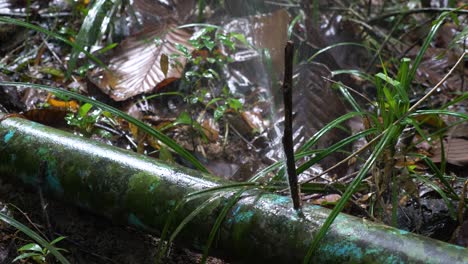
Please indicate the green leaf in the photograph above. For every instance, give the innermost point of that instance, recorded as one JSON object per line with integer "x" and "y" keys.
{"x": 11, "y": 221}
{"x": 219, "y": 220}
{"x": 58, "y": 239}
{"x": 184, "y": 119}
{"x": 31, "y": 247}
{"x": 165, "y": 154}
{"x": 311, "y": 58}
{"x": 92, "y": 28}
{"x": 29, "y": 255}
{"x": 442, "y": 194}
{"x": 214, "y": 100}
{"x": 437, "y": 24}
{"x": 240, "y": 37}
{"x": 313, "y": 140}
{"x": 388, "y": 79}
{"x": 440, "y": 112}
{"x": 208, "y": 75}
{"x": 318, "y": 156}
{"x": 219, "y": 112}
{"x": 185, "y": 51}
{"x": 211, "y": 60}
{"x": 234, "y": 104}
{"x": 209, "y": 44}
{"x": 84, "y": 109}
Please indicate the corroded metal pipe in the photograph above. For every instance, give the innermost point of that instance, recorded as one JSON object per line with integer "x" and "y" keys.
{"x": 261, "y": 227}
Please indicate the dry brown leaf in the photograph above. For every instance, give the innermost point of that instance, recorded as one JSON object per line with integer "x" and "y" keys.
{"x": 154, "y": 11}
{"x": 456, "y": 152}
{"x": 327, "y": 199}
{"x": 164, "y": 63}
{"x": 315, "y": 105}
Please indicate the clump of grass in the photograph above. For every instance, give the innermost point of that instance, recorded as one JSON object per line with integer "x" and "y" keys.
{"x": 393, "y": 113}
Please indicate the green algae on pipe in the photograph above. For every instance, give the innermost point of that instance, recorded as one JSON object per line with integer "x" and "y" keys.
{"x": 261, "y": 227}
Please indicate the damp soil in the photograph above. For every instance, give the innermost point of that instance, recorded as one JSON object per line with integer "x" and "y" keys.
{"x": 89, "y": 238}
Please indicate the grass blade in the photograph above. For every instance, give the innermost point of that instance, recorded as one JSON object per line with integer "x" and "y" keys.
{"x": 92, "y": 28}
{"x": 144, "y": 127}
{"x": 313, "y": 140}
{"x": 383, "y": 142}
{"x": 54, "y": 35}
{"x": 437, "y": 24}
{"x": 321, "y": 155}
{"x": 219, "y": 220}
{"x": 311, "y": 58}
{"x": 11, "y": 221}
{"x": 441, "y": 192}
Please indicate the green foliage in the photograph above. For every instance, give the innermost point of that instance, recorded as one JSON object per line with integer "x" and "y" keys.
{"x": 32, "y": 250}
{"x": 94, "y": 26}
{"x": 53, "y": 35}
{"x": 85, "y": 119}
{"x": 392, "y": 114}
{"x": 37, "y": 253}
{"x": 202, "y": 77}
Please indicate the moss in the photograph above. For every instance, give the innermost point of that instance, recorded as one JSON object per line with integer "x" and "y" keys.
{"x": 141, "y": 198}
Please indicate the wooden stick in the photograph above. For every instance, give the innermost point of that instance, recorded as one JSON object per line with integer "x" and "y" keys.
{"x": 288, "y": 133}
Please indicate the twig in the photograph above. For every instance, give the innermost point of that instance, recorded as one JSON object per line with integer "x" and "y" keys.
{"x": 36, "y": 226}
{"x": 463, "y": 89}
{"x": 288, "y": 133}
{"x": 42, "y": 15}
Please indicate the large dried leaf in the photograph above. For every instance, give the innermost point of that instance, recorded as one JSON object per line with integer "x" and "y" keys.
{"x": 315, "y": 105}
{"x": 455, "y": 146}
{"x": 161, "y": 10}
{"x": 434, "y": 67}
{"x": 135, "y": 67}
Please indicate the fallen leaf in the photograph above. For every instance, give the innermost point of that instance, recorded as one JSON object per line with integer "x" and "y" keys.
{"x": 456, "y": 152}
{"x": 135, "y": 67}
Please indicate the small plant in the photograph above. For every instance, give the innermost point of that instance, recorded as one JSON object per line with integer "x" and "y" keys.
{"x": 85, "y": 119}
{"x": 40, "y": 248}
{"x": 36, "y": 253}
{"x": 201, "y": 79}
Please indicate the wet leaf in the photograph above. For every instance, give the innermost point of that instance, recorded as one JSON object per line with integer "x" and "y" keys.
{"x": 31, "y": 247}
{"x": 164, "y": 63}
{"x": 455, "y": 152}
{"x": 153, "y": 12}
{"x": 66, "y": 105}
{"x": 48, "y": 116}
{"x": 329, "y": 199}
{"x": 210, "y": 128}
{"x": 94, "y": 25}
{"x": 316, "y": 105}
{"x": 136, "y": 66}
{"x": 165, "y": 154}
